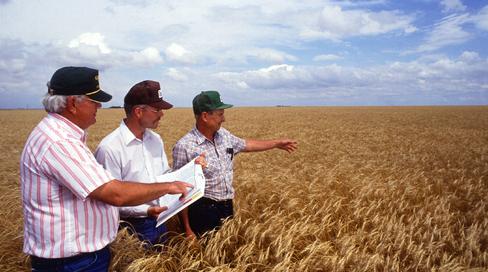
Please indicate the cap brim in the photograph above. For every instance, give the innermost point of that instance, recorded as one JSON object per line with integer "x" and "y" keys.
{"x": 162, "y": 105}
{"x": 100, "y": 96}
{"x": 224, "y": 106}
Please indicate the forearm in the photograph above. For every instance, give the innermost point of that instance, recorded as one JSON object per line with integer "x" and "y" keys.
{"x": 259, "y": 145}
{"x": 118, "y": 193}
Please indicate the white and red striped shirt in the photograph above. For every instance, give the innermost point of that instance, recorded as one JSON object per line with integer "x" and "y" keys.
{"x": 57, "y": 173}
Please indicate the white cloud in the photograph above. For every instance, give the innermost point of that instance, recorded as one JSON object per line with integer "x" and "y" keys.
{"x": 469, "y": 56}
{"x": 245, "y": 55}
{"x": 327, "y": 57}
{"x": 14, "y": 65}
{"x": 250, "y": 47}
{"x": 440, "y": 76}
{"x": 270, "y": 55}
{"x": 191, "y": 33}
{"x": 452, "y": 6}
{"x": 242, "y": 85}
{"x": 276, "y": 68}
{"x": 90, "y": 40}
{"x": 335, "y": 23}
{"x": 147, "y": 57}
{"x": 92, "y": 48}
{"x": 177, "y": 53}
{"x": 447, "y": 32}
{"x": 175, "y": 74}
{"x": 481, "y": 19}
{"x": 272, "y": 77}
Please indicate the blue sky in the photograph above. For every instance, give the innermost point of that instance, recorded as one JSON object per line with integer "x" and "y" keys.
{"x": 256, "y": 53}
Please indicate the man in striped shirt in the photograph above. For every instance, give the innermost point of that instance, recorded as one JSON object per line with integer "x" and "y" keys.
{"x": 219, "y": 146}
{"x": 68, "y": 198}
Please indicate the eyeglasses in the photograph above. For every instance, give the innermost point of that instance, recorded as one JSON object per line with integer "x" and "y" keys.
{"x": 150, "y": 109}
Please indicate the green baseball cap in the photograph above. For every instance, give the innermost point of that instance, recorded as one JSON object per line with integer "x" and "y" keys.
{"x": 208, "y": 101}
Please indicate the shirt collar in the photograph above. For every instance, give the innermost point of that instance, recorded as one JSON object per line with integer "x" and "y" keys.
{"x": 69, "y": 126}
{"x": 127, "y": 135}
{"x": 201, "y": 138}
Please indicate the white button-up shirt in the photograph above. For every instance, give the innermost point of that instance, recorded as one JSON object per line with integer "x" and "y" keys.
{"x": 128, "y": 158}
{"x": 57, "y": 173}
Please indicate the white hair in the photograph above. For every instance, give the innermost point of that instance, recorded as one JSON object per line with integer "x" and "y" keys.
{"x": 56, "y": 103}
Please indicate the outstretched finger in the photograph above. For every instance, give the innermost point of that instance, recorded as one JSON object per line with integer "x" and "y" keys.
{"x": 292, "y": 147}
{"x": 185, "y": 187}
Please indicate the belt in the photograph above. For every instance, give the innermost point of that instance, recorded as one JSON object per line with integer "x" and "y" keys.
{"x": 59, "y": 261}
{"x": 206, "y": 200}
{"x": 138, "y": 219}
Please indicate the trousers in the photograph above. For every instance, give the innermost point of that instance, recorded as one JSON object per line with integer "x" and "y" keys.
{"x": 97, "y": 261}
{"x": 207, "y": 214}
{"x": 145, "y": 229}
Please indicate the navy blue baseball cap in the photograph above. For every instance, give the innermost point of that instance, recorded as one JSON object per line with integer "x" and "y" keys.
{"x": 78, "y": 81}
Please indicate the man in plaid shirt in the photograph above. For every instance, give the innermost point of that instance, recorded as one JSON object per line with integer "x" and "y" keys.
{"x": 219, "y": 146}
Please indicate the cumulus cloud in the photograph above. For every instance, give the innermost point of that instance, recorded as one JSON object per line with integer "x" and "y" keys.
{"x": 327, "y": 57}
{"x": 91, "y": 48}
{"x": 24, "y": 70}
{"x": 177, "y": 53}
{"x": 90, "y": 40}
{"x": 147, "y": 57}
{"x": 25, "y": 67}
{"x": 440, "y": 76}
{"x": 176, "y": 74}
{"x": 270, "y": 55}
{"x": 250, "y": 47}
{"x": 469, "y": 56}
{"x": 452, "y": 6}
{"x": 335, "y": 23}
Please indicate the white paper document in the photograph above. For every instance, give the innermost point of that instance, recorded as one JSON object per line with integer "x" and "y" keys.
{"x": 191, "y": 173}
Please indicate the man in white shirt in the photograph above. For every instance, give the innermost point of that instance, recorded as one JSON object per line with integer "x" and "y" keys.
{"x": 134, "y": 152}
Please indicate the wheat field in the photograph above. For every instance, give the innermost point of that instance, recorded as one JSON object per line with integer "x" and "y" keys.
{"x": 369, "y": 189}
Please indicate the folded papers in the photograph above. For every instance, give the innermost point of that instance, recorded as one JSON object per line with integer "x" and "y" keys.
{"x": 191, "y": 173}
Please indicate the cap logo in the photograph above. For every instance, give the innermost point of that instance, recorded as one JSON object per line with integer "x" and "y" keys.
{"x": 160, "y": 94}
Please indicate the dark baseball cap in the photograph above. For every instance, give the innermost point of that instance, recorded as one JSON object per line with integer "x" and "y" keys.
{"x": 147, "y": 92}
{"x": 208, "y": 101}
{"x": 77, "y": 81}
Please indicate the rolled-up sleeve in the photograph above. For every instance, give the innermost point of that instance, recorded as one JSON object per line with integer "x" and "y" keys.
{"x": 74, "y": 166}
{"x": 238, "y": 144}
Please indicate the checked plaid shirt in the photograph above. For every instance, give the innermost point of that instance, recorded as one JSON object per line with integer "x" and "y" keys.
{"x": 219, "y": 155}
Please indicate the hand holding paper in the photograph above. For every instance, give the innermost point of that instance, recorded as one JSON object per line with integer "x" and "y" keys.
{"x": 154, "y": 211}
{"x": 201, "y": 160}
{"x": 192, "y": 178}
